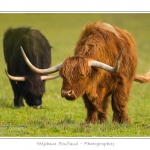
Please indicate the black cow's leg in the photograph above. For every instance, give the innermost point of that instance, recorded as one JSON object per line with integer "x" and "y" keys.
{"x": 18, "y": 99}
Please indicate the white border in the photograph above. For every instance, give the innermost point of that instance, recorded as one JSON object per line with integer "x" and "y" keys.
{"x": 75, "y": 143}
{"x": 75, "y": 6}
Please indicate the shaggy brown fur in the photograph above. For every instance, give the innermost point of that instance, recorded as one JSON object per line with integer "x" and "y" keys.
{"x": 143, "y": 78}
{"x": 102, "y": 42}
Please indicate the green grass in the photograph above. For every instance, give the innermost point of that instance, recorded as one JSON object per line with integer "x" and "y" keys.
{"x": 62, "y": 118}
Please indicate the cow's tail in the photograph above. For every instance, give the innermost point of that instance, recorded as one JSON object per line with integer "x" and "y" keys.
{"x": 143, "y": 78}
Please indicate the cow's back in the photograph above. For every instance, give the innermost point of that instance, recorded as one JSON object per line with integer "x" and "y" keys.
{"x": 34, "y": 44}
{"x": 12, "y": 36}
{"x": 103, "y": 42}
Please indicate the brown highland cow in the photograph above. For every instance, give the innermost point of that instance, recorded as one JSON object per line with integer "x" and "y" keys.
{"x": 89, "y": 73}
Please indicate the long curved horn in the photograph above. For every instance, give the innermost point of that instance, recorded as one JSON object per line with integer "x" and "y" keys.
{"x": 49, "y": 77}
{"x": 37, "y": 70}
{"x": 106, "y": 67}
{"x": 15, "y": 78}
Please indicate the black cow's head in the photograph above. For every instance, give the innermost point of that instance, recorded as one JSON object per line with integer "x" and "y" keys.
{"x": 31, "y": 87}
{"x": 32, "y": 90}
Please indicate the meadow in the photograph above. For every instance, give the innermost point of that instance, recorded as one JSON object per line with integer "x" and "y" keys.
{"x": 59, "y": 117}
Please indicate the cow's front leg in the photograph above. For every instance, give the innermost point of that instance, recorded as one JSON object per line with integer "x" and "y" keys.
{"x": 91, "y": 110}
{"x": 96, "y": 109}
{"x": 119, "y": 106}
{"x": 102, "y": 115}
{"x": 18, "y": 99}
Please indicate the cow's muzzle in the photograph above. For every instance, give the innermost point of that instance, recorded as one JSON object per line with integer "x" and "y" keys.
{"x": 37, "y": 107}
{"x": 68, "y": 94}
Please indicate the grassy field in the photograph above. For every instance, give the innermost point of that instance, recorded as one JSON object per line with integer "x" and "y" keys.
{"x": 62, "y": 118}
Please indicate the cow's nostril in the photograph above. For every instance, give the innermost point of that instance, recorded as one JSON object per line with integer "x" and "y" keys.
{"x": 69, "y": 92}
{"x": 66, "y": 93}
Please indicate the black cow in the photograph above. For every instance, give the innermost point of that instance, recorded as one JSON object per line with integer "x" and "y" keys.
{"x": 25, "y": 83}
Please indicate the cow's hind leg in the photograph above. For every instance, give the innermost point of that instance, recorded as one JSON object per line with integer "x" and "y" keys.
{"x": 119, "y": 105}
{"x": 18, "y": 99}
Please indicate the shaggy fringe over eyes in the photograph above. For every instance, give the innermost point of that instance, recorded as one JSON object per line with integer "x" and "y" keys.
{"x": 78, "y": 68}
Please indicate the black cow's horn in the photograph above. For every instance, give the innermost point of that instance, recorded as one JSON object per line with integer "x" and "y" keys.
{"x": 106, "y": 67}
{"x": 49, "y": 77}
{"x": 14, "y": 78}
{"x": 37, "y": 70}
